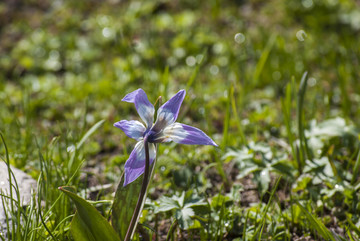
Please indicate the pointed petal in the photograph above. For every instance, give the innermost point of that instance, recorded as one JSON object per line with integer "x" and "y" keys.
{"x": 142, "y": 104}
{"x": 133, "y": 129}
{"x": 168, "y": 112}
{"x": 184, "y": 134}
{"x": 135, "y": 165}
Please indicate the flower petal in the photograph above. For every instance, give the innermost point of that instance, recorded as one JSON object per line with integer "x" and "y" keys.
{"x": 135, "y": 165}
{"x": 184, "y": 134}
{"x": 133, "y": 129}
{"x": 142, "y": 104}
{"x": 168, "y": 112}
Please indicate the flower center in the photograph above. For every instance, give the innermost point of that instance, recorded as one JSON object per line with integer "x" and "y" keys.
{"x": 149, "y": 133}
{"x": 153, "y": 136}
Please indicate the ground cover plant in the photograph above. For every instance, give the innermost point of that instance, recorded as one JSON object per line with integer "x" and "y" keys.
{"x": 274, "y": 83}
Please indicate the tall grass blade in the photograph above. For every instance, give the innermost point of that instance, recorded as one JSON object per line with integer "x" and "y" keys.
{"x": 263, "y": 58}
{"x": 235, "y": 114}
{"x": 165, "y": 82}
{"x": 353, "y": 226}
{"x": 286, "y": 104}
{"x": 345, "y": 101}
{"x": 226, "y": 121}
{"x": 15, "y": 203}
{"x": 356, "y": 168}
{"x": 316, "y": 224}
{"x": 72, "y": 163}
{"x": 304, "y": 150}
{"x": 260, "y": 228}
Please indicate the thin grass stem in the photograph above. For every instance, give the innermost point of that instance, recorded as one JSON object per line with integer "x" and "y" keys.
{"x": 171, "y": 230}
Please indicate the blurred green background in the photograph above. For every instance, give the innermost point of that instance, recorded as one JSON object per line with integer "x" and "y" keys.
{"x": 65, "y": 65}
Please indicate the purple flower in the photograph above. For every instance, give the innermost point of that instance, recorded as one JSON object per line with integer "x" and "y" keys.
{"x": 165, "y": 129}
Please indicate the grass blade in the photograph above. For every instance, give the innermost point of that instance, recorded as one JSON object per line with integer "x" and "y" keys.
{"x": 316, "y": 224}
{"x": 304, "y": 150}
{"x": 263, "y": 219}
{"x": 356, "y": 168}
{"x": 81, "y": 142}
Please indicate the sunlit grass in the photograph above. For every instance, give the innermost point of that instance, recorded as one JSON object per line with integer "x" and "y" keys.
{"x": 65, "y": 67}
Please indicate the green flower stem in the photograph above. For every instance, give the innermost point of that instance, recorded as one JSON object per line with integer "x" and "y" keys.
{"x": 172, "y": 229}
{"x": 142, "y": 194}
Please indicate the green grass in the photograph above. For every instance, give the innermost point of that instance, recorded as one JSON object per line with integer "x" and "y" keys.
{"x": 65, "y": 66}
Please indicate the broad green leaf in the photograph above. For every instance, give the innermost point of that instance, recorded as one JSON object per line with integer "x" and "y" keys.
{"x": 125, "y": 203}
{"x": 192, "y": 200}
{"x": 239, "y": 155}
{"x": 330, "y": 128}
{"x": 166, "y": 204}
{"x": 247, "y": 170}
{"x": 260, "y": 147}
{"x": 180, "y": 200}
{"x": 184, "y": 217}
{"x": 186, "y": 207}
{"x": 88, "y": 223}
{"x": 80, "y": 231}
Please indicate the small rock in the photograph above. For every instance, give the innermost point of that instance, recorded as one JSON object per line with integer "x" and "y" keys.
{"x": 25, "y": 183}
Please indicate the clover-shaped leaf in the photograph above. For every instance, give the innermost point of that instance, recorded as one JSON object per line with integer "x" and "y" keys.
{"x": 185, "y": 208}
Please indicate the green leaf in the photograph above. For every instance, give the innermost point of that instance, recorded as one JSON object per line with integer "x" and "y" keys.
{"x": 88, "y": 224}
{"x": 219, "y": 200}
{"x": 302, "y": 182}
{"x": 185, "y": 206}
{"x": 283, "y": 167}
{"x": 331, "y": 127}
{"x": 125, "y": 203}
{"x": 166, "y": 204}
{"x": 263, "y": 180}
{"x": 183, "y": 177}
{"x": 247, "y": 170}
{"x": 180, "y": 200}
{"x": 184, "y": 217}
{"x": 80, "y": 231}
